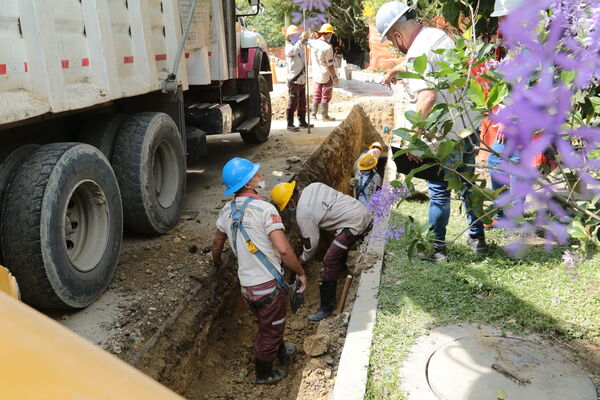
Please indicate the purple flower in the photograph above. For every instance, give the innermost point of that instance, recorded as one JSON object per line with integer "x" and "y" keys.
{"x": 542, "y": 45}
{"x": 380, "y": 205}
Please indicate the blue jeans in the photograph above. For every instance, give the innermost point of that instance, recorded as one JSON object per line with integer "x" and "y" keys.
{"x": 495, "y": 161}
{"x": 439, "y": 198}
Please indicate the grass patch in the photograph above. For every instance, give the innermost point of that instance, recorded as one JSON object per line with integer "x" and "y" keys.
{"x": 532, "y": 293}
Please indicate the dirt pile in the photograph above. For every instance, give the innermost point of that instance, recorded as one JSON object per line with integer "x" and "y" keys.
{"x": 332, "y": 162}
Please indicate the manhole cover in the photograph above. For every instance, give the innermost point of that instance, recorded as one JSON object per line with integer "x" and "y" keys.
{"x": 482, "y": 367}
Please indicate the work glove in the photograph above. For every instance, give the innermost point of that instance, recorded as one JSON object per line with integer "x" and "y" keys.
{"x": 353, "y": 182}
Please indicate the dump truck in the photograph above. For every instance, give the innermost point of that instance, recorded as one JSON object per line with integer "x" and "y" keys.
{"x": 101, "y": 102}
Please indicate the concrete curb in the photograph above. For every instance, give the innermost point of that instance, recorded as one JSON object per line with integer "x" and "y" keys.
{"x": 351, "y": 379}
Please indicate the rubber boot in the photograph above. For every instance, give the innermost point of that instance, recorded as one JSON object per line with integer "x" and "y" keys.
{"x": 265, "y": 374}
{"x": 327, "y": 290}
{"x": 325, "y": 113}
{"x": 314, "y": 110}
{"x": 285, "y": 353}
{"x": 302, "y": 121}
{"x": 290, "y": 122}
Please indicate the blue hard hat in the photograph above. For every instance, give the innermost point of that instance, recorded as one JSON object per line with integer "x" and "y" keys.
{"x": 236, "y": 173}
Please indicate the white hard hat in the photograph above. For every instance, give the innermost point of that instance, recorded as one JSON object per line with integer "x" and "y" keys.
{"x": 505, "y": 7}
{"x": 388, "y": 14}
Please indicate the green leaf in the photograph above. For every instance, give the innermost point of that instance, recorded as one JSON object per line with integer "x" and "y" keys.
{"x": 412, "y": 249}
{"x": 567, "y": 76}
{"x": 396, "y": 183}
{"x": 457, "y": 84}
{"x": 476, "y": 93}
{"x": 465, "y": 133}
{"x": 497, "y": 95}
{"x": 577, "y": 230}
{"x": 501, "y": 394}
{"x": 420, "y": 64}
{"x": 445, "y": 149}
{"x": 412, "y": 173}
{"x": 409, "y": 75}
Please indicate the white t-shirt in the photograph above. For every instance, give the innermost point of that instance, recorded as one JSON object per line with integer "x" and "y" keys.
{"x": 428, "y": 40}
{"x": 321, "y": 207}
{"x": 321, "y": 57}
{"x": 260, "y": 219}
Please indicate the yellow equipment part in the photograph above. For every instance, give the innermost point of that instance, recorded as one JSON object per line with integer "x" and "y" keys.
{"x": 42, "y": 360}
{"x": 8, "y": 283}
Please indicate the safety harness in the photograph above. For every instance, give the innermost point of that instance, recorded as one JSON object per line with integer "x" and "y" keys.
{"x": 362, "y": 188}
{"x": 237, "y": 216}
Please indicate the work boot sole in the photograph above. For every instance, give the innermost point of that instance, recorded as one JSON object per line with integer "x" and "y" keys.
{"x": 278, "y": 374}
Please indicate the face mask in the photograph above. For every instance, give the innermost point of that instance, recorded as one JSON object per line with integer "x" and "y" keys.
{"x": 401, "y": 47}
{"x": 329, "y": 39}
{"x": 292, "y": 209}
{"x": 262, "y": 184}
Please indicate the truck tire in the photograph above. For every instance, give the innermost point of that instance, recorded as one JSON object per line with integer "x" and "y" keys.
{"x": 63, "y": 225}
{"x": 101, "y": 132}
{"x": 10, "y": 160}
{"x": 149, "y": 162}
{"x": 260, "y": 98}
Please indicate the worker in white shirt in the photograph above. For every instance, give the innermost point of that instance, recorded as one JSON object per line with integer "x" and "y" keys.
{"x": 296, "y": 78}
{"x": 320, "y": 207}
{"x": 397, "y": 22}
{"x": 257, "y": 236}
{"x": 324, "y": 75}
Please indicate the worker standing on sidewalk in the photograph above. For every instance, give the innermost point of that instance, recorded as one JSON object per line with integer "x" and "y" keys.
{"x": 257, "y": 236}
{"x": 296, "y": 61}
{"x": 324, "y": 75}
{"x": 320, "y": 207}
{"x": 397, "y": 22}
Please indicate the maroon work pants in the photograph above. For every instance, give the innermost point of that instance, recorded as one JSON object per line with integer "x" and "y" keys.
{"x": 297, "y": 98}
{"x": 337, "y": 255}
{"x": 271, "y": 318}
{"x": 323, "y": 92}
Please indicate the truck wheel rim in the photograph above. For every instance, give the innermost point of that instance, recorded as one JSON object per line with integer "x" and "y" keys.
{"x": 86, "y": 225}
{"x": 165, "y": 171}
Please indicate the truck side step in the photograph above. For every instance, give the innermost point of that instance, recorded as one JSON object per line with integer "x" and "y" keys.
{"x": 200, "y": 106}
{"x": 248, "y": 124}
{"x": 236, "y": 98}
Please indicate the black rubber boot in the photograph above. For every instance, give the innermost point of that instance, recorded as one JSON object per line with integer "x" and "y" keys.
{"x": 325, "y": 113}
{"x": 285, "y": 353}
{"x": 290, "y": 122}
{"x": 265, "y": 374}
{"x": 327, "y": 290}
{"x": 314, "y": 110}
{"x": 478, "y": 244}
{"x": 302, "y": 121}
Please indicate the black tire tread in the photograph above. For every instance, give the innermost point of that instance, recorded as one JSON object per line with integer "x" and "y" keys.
{"x": 21, "y": 242}
{"x": 126, "y": 162}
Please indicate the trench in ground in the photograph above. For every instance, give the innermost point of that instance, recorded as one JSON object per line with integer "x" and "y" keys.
{"x": 206, "y": 351}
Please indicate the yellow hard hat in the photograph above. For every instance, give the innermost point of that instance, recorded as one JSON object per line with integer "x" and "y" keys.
{"x": 326, "y": 28}
{"x": 367, "y": 161}
{"x": 376, "y": 144}
{"x": 282, "y": 193}
{"x": 291, "y": 30}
